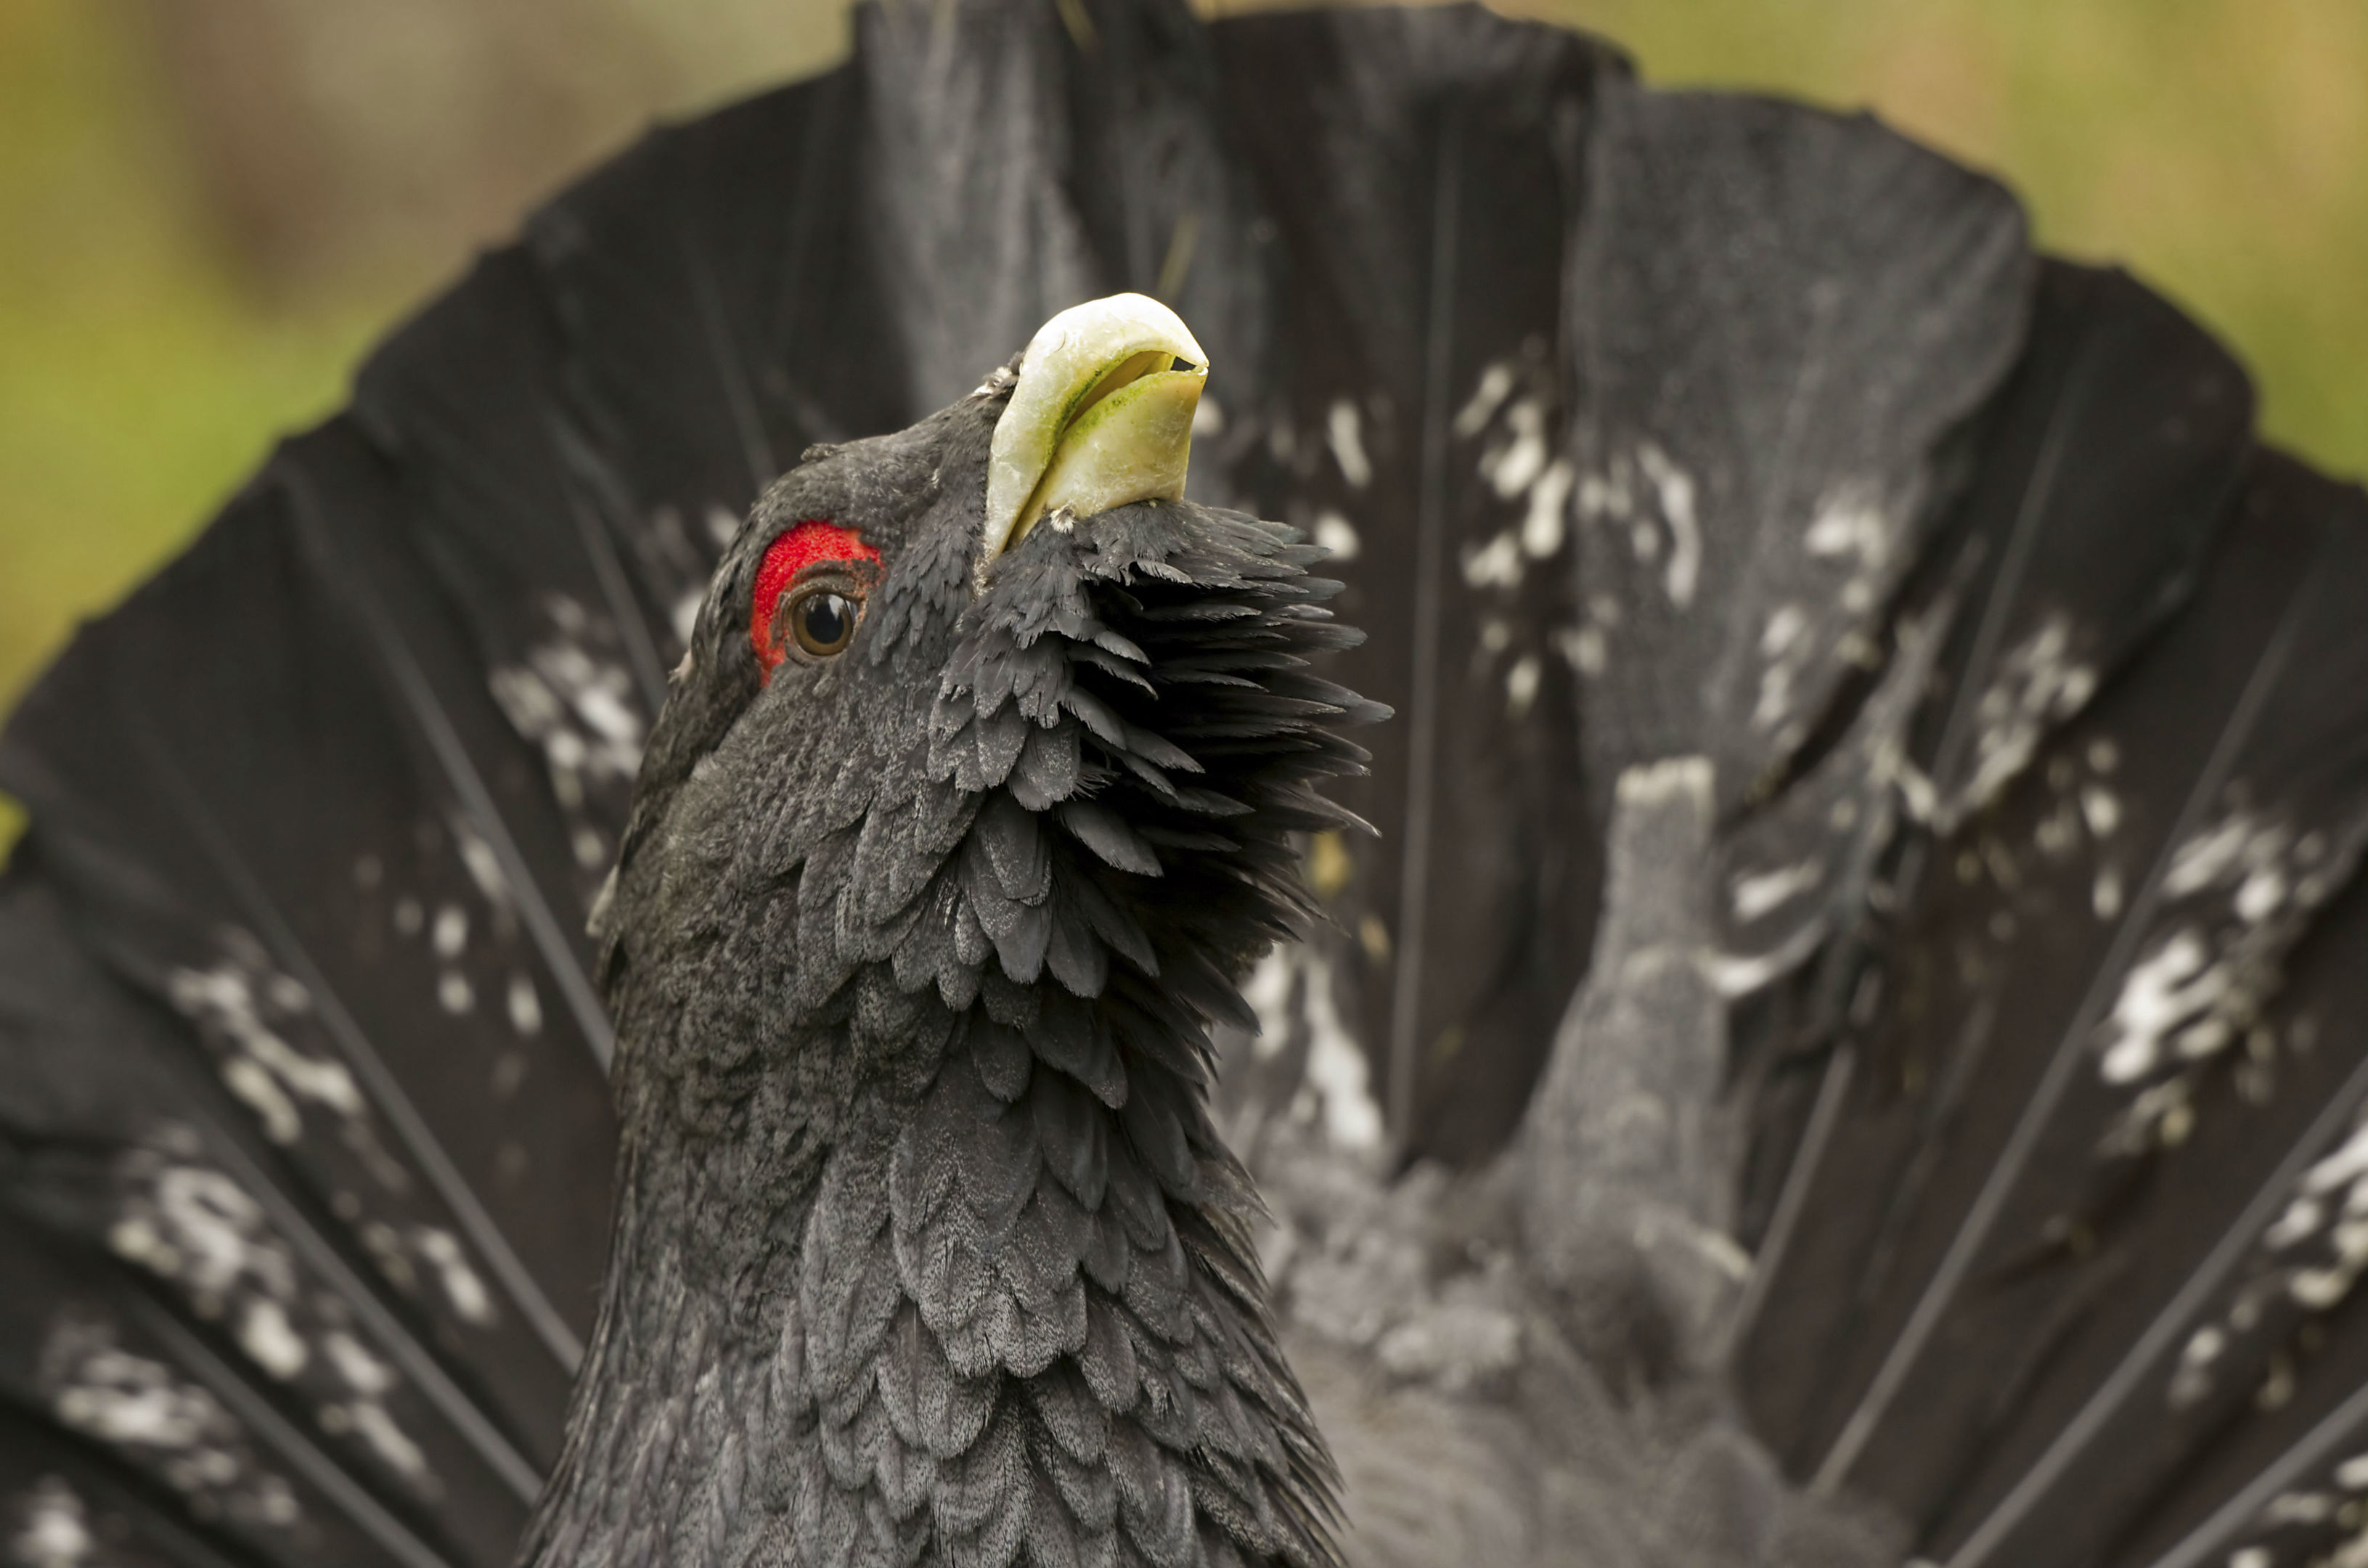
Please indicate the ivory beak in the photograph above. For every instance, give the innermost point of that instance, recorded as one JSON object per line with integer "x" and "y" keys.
{"x": 1102, "y": 416}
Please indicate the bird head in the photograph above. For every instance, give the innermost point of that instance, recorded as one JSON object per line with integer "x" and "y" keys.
{"x": 988, "y": 700}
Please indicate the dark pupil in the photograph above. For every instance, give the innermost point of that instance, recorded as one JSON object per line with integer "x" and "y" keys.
{"x": 823, "y": 622}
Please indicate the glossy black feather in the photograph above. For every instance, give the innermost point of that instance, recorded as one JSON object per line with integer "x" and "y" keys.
{"x": 1778, "y": 317}
{"x": 175, "y": 1308}
{"x": 2033, "y": 1082}
{"x": 1422, "y": 172}
{"x": 2068, "y": 465}
{"x": 390, "y": 951}
{"x": 2198, "y": 1118}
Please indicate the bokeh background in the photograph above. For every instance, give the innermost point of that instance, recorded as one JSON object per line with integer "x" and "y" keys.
{"x": 210, "y": 208}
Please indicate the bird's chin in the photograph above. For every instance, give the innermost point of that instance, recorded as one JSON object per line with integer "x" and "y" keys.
{"x": 1102, "y": 416}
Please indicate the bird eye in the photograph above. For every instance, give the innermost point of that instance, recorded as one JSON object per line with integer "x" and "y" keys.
{"x": 823, "y": 620}
{"x": 808, "y": 596}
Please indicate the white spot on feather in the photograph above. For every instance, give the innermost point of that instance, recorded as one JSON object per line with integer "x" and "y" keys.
{"x": 1689, "y": 778}
{"x": 484, "y": 868}
{"x": 1521, "y": 684}
{"x": 1607, "y": 495}
{"x": 252, "y": 1083}
{"x": 1336, "y": 534}
{"x": 1335, "y": 1068}
{"x": 2058, "y": 832}
{"x": 2105, "y": 897}
{"x": 1754, "y": 896}
{"x": 1850, "y": 521}
{"x": 1585, "y": 648}
{"x": 55, "y": 1532}
{"x": 214, "y": 1227}
{"x": 2208, "y": 857}
{"x": 2037, "y": 683}
{"x": 2347, "y": 1163}
{"x": 573, "y": 696}
{"x": 2162, "y": 991}
{"x": 1334, "y": 1090}
{"x": 525, "y": 1008}
{"x": 2260, "y": 893}
{"x": 2299, "y": 1223}
{"x": 129, "y": 1401}
{"x": 1775, "y": 700}
{"x": 378, "y": 1429}
{"x": 1515, "y": 465}
{"x": 1676, "y": 490}
{"x": 1496, "y": 565}
{"x": 2101, "y": 810}
{"x": 362, "y": 1372}
{"x": 462, "y": 1287}
{"x": 271, "y": 1340}
{"x": 1495, "y": 385}
{"x": 259, "y": 1064}
{"x": 1542, "y": 527}
{"x": 1268, "y": 991}
{"x": 1348, "y": 444}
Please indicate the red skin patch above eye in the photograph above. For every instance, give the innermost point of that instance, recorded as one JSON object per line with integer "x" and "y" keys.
{"x": 811, "y": 541}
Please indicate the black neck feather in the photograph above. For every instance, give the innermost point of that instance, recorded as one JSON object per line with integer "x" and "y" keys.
{"x": 926, "y": 1247}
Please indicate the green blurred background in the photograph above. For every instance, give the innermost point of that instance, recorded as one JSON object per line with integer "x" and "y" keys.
{"x": 209, "y": 207}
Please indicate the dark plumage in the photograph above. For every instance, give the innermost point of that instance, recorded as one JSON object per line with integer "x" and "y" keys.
{"x": 1843, "y": 1049}
{"x": 924, "y": 1239}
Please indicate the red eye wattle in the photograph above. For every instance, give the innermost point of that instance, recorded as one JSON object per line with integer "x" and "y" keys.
{"x": 809, "y": 543}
